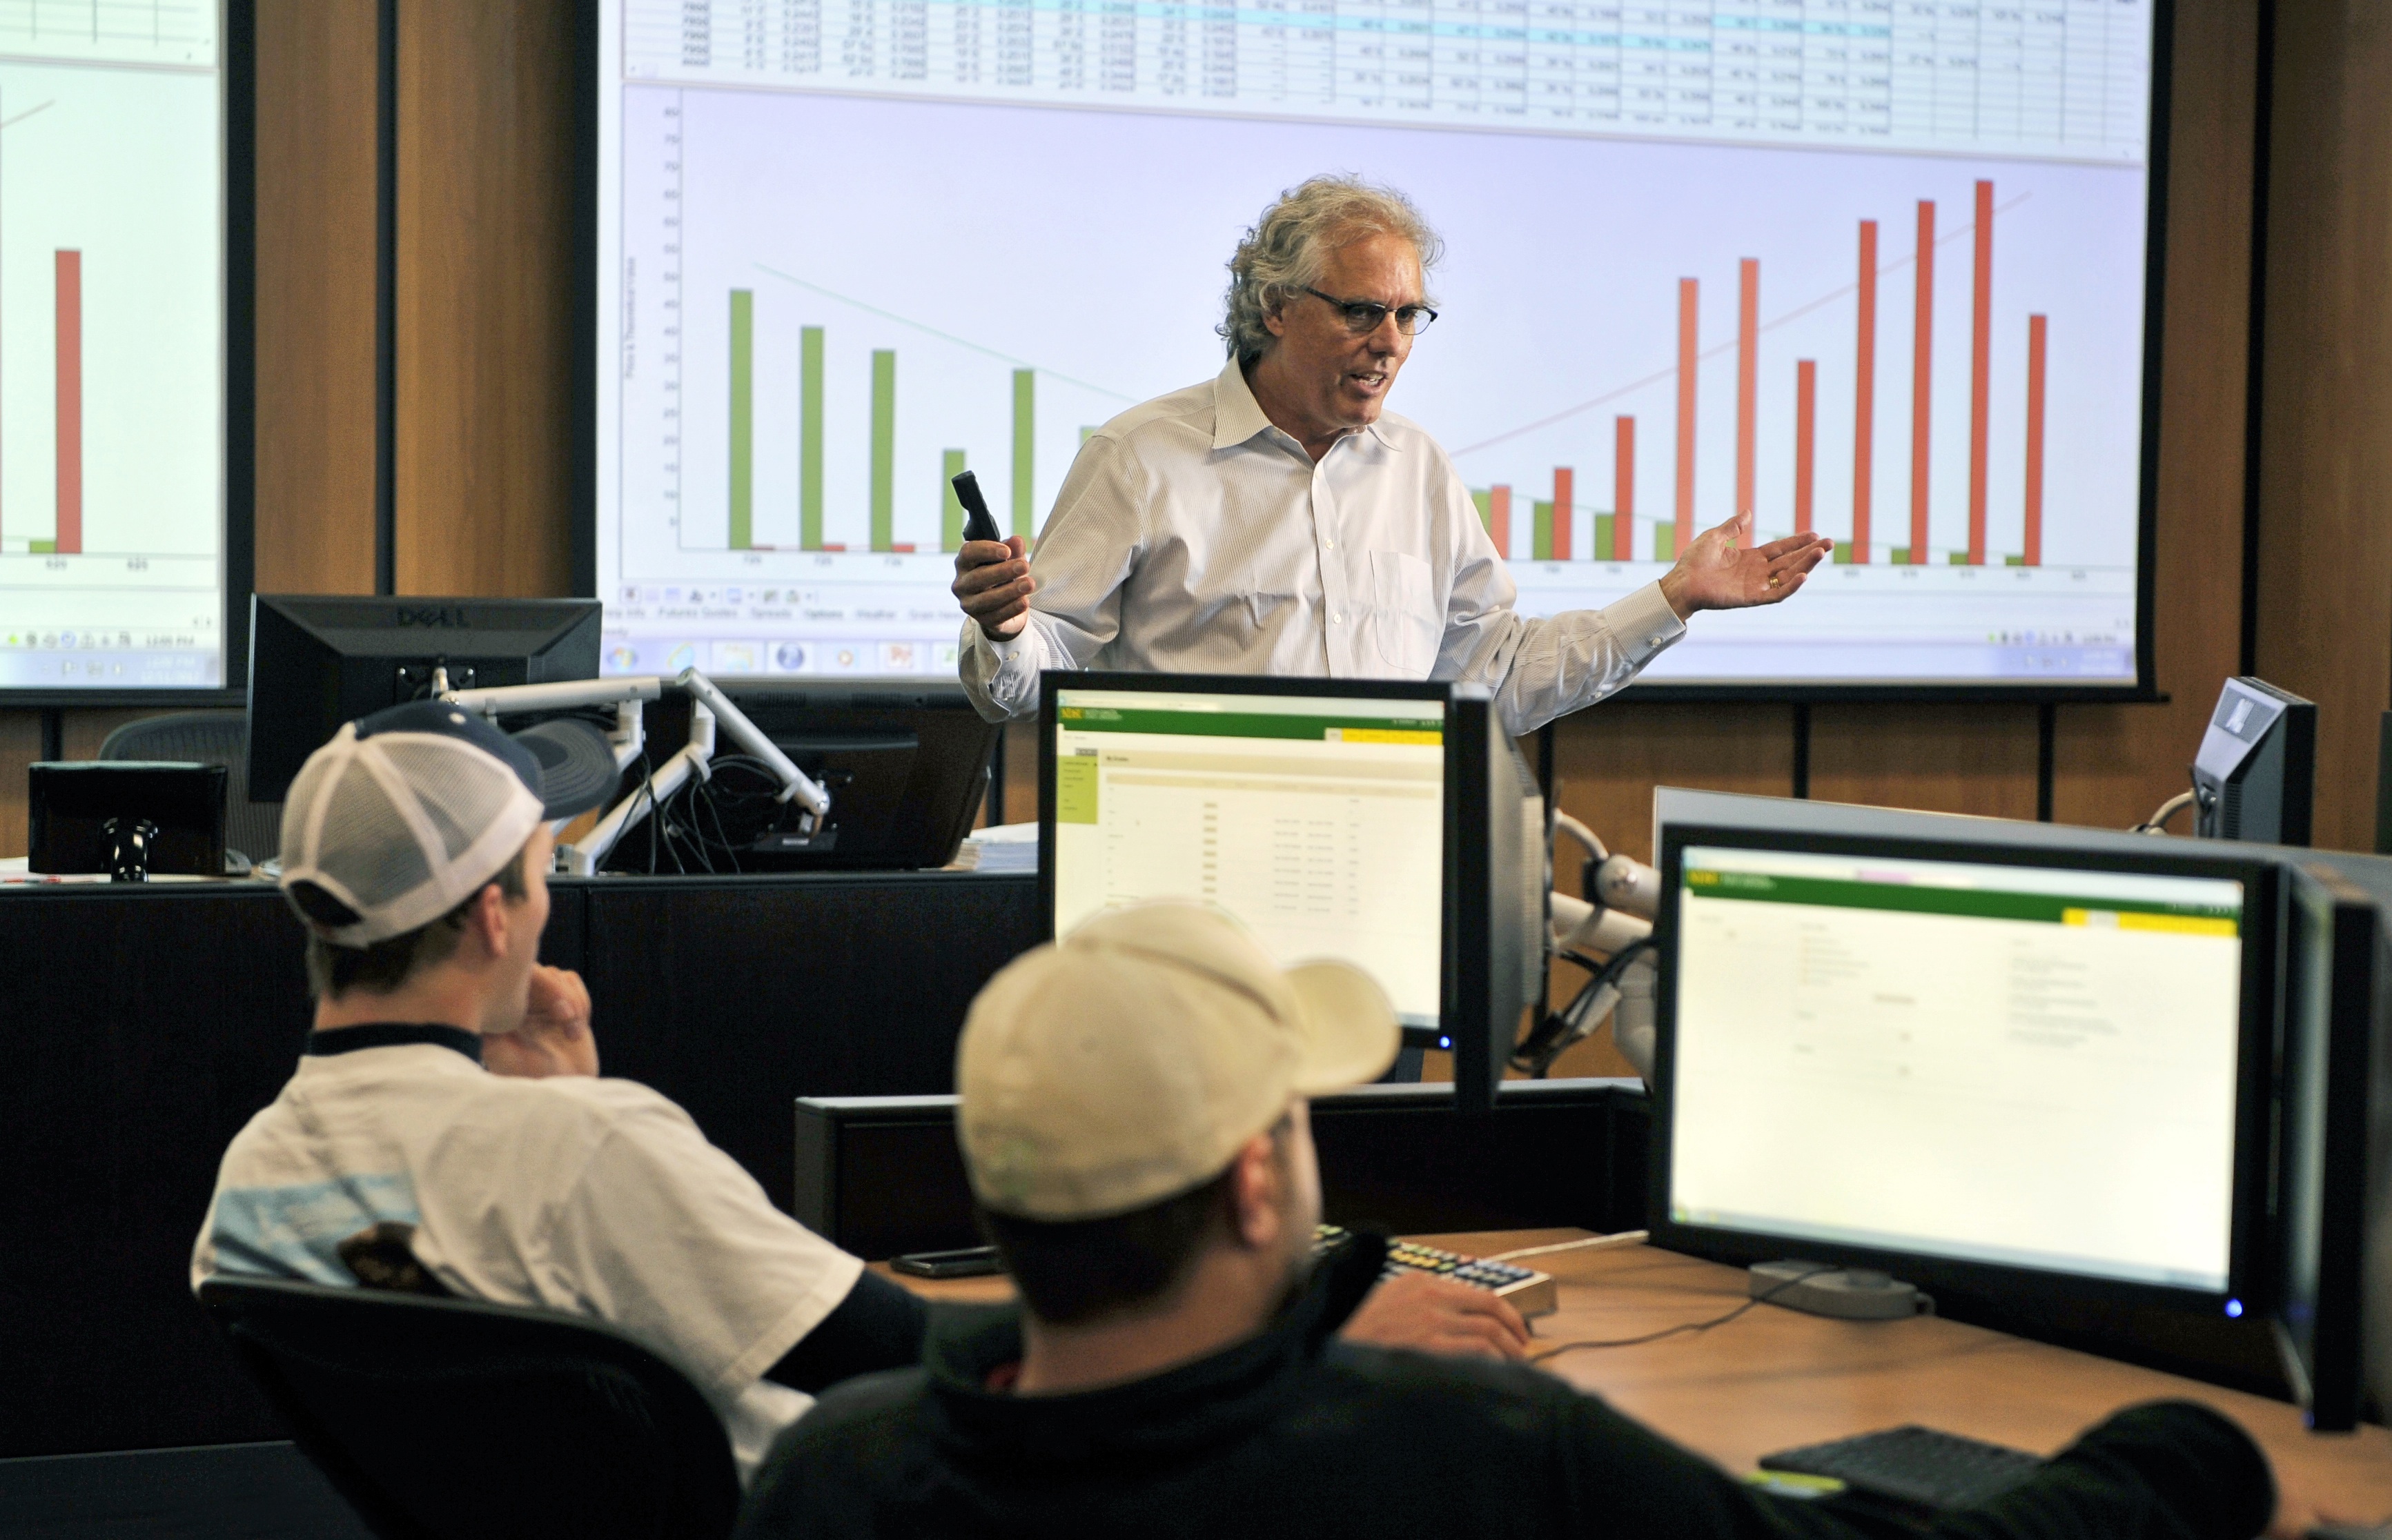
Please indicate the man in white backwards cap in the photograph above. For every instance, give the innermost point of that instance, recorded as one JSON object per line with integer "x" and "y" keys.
{"x": 447, "y": 1131}
{"x": 1134, "y": 1120}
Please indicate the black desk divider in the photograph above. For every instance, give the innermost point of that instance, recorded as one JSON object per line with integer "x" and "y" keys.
{"x": 881, "y": 1175}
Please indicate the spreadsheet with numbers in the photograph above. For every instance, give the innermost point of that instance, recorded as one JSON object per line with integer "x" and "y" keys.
{"x": 2065, "y": 78}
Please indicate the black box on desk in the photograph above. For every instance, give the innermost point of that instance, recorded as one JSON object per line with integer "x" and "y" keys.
{"x": 72, "y": 803}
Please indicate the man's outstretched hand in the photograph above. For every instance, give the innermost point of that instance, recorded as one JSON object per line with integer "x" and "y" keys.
{"x": 1723, "y": 570}
{"x": 993, "y": 585}
{"x": 1432, "y": 1315}
{"x": 554, "y": 1038}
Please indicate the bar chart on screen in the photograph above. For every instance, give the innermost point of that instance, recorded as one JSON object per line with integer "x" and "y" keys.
{"x": 111, "y": 345}
{"x": 1925, "y": 343}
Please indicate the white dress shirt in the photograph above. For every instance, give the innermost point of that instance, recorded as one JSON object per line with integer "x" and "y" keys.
{"x": 1192, "y": 536}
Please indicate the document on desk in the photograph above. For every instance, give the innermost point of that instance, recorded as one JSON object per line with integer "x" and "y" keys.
{"x": 1320, "y": 823}
{"x": 2019, "y": 1065}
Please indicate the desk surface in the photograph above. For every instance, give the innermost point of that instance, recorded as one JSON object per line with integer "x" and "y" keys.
{"x": 1775, "y": 1379}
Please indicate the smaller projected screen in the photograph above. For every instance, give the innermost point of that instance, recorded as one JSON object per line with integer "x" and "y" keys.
{"x": 2023, "y": 1066}
{"x": 1319, "y": 820}
{"x": 111, "y": 345}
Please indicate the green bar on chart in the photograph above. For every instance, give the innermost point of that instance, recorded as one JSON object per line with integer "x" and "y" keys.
{"x": 951, "y": 521}
{"x": 1086, "y": 433}
{"x": 1543, "y": 548}
{"x": 1603, "y": 525}
{"x": 41, "y": 548}
{"x": 1961, "y": 559}
{"x": 810, "y": 438}
{"x": 884, "y": 448}
{"x": 1900, "y": 556}
{"x": 1665, "y": 542}
{"x": 743, "y": 418}
{"x": 1025, "y": 438}
{"x": 1486, "y": 501}
{"x": 2013, "y": 561}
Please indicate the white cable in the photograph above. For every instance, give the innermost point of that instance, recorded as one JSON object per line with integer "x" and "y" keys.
{"x": 1564, "y": 824}
{"x": 2157, "y": 822}
{"x": 1591, "y": 1243}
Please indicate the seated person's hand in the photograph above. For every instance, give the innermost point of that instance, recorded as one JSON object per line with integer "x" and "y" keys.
{"x": 554, "y": 1038}
{"x": 1431, "y": 1314}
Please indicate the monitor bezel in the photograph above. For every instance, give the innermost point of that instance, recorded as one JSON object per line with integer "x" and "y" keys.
{"x": 2250, "y": 1217}
{"x": 1435, "y": 692}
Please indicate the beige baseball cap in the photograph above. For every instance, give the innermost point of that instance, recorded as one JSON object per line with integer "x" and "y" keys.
{"x": 1127, "y": 1062}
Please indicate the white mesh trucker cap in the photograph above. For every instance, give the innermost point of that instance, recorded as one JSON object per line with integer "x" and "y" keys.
{"x": 409, "y": 812}
{"x": 1127, "y": 1062}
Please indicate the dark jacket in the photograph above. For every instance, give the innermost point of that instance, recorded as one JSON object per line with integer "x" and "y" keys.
{"x": 1297, "y": 1434}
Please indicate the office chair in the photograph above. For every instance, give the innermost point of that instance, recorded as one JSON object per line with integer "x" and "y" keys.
{"x": 208, "y": 737}
{"x": 450, "y": 1420}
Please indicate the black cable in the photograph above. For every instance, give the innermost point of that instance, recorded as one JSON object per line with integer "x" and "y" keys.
{"x": 1558, "y": 1031}
{"x": 1685, "y": 1327}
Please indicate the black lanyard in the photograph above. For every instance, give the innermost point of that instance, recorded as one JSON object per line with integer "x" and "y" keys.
{"x": 392, "y": 1034}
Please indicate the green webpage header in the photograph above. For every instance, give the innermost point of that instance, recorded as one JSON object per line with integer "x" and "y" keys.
{"x": 1250, "y": 724}
{"x": 1978, "y": 902}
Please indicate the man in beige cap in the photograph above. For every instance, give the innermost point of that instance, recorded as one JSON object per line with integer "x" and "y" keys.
{"x": 1134, "y": 1121}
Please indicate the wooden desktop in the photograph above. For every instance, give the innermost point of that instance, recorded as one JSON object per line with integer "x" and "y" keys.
{"x": 1775, "y": 1379}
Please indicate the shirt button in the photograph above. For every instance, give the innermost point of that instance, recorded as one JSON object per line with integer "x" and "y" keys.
{"x": 1328, "y": 545}
{"x": 1336, "y": 620}
{"x": 1652, "y": 641}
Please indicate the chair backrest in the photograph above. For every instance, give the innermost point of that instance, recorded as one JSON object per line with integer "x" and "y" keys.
{"x": 448, "y": 1419}
{"x": 208, "y": 737}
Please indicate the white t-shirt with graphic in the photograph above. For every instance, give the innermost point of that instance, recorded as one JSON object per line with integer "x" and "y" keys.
{"x": 594, "y": 1197}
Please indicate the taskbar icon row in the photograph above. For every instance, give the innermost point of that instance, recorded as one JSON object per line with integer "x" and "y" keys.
{"x": 781, "y": 656}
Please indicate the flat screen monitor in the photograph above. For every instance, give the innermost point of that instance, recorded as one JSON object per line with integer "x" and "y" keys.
{"x": 1953, "y": 1060}
{"x": 1382, "y": 824}
{"x": 2255, "y": 773}
{"x": 1866, "y": 271}
{"x": 126, "y": 285}
{"x": 320, "y": 660}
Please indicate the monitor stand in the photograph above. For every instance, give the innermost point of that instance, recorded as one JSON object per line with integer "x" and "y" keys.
{"x": 1846, "y": 1294}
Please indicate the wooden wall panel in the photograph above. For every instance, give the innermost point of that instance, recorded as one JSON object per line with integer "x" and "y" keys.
{"x": 485, "y": 279}
{"x": 21, "y": 745}
{"x": 316, "y": 129}
{"x": 1938, "y": 758}
{"x": 2113, "y": 765}
{"x": 1610, "y": 756}
{"x": 2325, "y": 543}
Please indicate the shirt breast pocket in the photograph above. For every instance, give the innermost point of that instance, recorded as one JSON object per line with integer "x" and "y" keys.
{"x": 1406, "y": 621}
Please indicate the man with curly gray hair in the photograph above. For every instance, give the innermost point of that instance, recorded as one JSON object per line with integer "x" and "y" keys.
{"x": 1276, "y": 519}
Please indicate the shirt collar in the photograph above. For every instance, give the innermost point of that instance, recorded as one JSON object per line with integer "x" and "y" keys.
{"x": 1237, "y": 417}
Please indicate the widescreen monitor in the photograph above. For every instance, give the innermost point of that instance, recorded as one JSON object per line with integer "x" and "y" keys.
{"x": 124, "y": 284}
{"x": 1958, "y": 1061}
{"x": 320, "y": 660}
{"x": 1382, "y": 824}
{"x": 1855, "y": 273}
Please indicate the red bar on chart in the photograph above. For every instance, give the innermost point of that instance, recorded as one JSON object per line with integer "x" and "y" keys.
{"x": 1684, "y": 536}
{"x": 1806, "y": 411}
{"x": 1747, "y": 380}
{"x": 2035, "y": 346}
{"x": 1498, "y": 518}
{"x": 1864, "y": 396}
{"x": 1623, "y": 489}
{"x": 1981, "y": 340}
{"x": 1565, "y": 484}
{"x": 69, "y": 347}
{"x": 1922, "y": 360}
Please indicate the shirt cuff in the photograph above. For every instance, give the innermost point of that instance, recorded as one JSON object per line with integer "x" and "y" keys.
{"x": 1644, "y": 623}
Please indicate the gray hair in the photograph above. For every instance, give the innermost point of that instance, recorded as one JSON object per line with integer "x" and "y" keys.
{"x": 1284, "y": 254}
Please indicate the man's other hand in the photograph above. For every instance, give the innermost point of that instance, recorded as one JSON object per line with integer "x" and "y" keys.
{"x": 554, "y": 1038}
{"x": 993, "y": 585}
{"x": 1431, "y": 1314}
{"x": 1723, "y": 570}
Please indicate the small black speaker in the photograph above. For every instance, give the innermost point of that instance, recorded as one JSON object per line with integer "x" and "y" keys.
{"x": 130, "y": 817}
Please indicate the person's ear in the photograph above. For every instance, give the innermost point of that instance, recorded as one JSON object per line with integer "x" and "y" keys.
{"x": 488, "y": 920}
{"x": 1256, "y": 1195}
{"x": 1275, "y": 318}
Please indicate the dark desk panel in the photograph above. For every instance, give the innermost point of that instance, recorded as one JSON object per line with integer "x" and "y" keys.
{"x": 140, "y": 1026}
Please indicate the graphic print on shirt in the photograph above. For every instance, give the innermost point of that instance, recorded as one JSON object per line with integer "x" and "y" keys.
{"x": 295, "y": 1232}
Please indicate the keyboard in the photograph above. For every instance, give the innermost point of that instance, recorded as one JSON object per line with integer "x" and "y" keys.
{"x": 1917, "y": 1466}
{"x": 1531, "y": 1292}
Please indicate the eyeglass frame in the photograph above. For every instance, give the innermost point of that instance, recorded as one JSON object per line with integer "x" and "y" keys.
{"x": 1346, "y": 307}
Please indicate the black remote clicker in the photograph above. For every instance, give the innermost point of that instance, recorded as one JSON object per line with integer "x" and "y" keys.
{"x": 978, "y": 523}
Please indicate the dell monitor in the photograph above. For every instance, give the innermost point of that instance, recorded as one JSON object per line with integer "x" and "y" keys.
{"x": 1383, "y": 823}
{"x": 2045, "y": 1071}
{"x": 2254, "y": 777}
{"x": 317, "y": 661}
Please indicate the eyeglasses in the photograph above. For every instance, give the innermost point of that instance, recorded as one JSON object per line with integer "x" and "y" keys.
{"x": 1364, "y": 317}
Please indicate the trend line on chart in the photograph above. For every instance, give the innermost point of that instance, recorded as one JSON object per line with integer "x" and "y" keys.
{"x": 1719, "y": 348}
{"x": 943, "y": 336}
